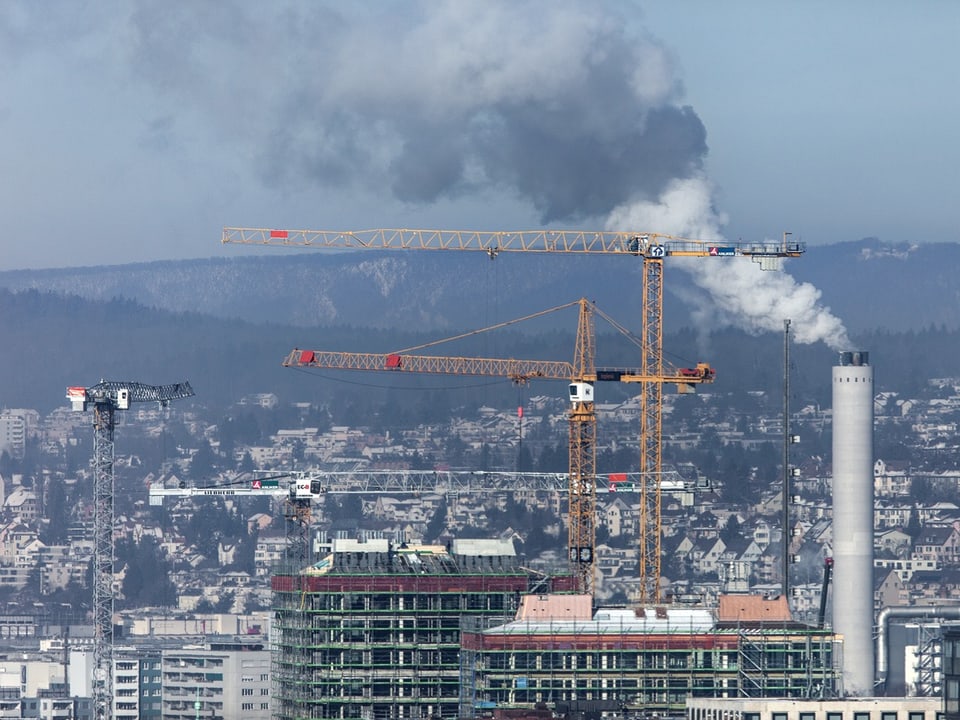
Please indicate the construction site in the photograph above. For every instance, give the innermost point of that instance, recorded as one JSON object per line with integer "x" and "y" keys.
{"x": 381, "y": 632}
{"x": 394, "y": 629}
{"x": 465, "y": 630}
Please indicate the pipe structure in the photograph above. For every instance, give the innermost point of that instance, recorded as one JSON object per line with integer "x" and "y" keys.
{"x": 938, "y": 612}
{"x": 853, "y": 613}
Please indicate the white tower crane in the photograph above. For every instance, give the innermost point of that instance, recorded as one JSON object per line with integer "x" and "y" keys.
{"x": 106, "y": 398}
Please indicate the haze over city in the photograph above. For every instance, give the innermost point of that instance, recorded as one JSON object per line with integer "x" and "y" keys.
{"x": 135, "y": 131}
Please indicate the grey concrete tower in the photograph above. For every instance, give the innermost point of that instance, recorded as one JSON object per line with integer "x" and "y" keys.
{"x": 853, "y": 614}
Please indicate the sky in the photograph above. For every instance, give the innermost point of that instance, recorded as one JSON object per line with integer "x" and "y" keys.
{"x": 135, "y": 130}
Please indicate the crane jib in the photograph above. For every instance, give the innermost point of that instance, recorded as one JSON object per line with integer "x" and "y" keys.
{"x": 648, "y": 245}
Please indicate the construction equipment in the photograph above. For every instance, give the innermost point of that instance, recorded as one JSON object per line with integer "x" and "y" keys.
{"x": 581, "y": 375}
{"x": 652, "y": 247}
{"x": 106, "y": 398}
{"x": 300, "y": 489}
{"x": 317, "y": 484}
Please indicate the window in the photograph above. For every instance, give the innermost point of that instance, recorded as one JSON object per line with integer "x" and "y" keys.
{"x": 834, "y": 716}
{"x": 917, "y": 716}
{"x": 247, "y": 706}
{"x": 951, "y": 696}
{"x": 861, "y": 716}
{"x": 888, "y": 716}
{"x": 247, "y": 691}
{"x": 779, "y": 716}
{"x": 808, "y": 716}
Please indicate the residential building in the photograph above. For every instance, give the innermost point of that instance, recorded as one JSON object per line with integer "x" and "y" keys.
{"x": 13, "y": 434}
{"x": 219, "y": 679}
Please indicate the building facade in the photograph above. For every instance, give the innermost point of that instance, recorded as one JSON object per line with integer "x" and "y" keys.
{"x": 860, "y": 708}
{"x": 374, "y": 632}
{"x": 642, "y": 662}
{"x": 221, "y": 680}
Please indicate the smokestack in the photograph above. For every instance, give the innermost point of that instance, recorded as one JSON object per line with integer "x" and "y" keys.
{"x": 853, "y": 518}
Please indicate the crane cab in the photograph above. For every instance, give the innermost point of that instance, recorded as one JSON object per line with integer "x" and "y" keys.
{"x": 306, "y": 488}
{"x": 581, "y": 392}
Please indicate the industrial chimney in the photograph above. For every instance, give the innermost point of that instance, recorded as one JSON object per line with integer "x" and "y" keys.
{"x": 853, "y": 615}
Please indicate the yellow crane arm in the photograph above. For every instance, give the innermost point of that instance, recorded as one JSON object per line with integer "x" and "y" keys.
{"x": 646, "y": 244}
{"x": 519, "y": 371}
{"x": 516, "y": 370}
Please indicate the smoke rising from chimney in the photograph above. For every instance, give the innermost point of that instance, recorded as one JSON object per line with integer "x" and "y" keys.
{"x": 738, "y": 293}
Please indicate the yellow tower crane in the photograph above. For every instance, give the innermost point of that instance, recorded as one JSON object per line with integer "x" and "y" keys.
{"x": 652, "y": 247}
{"x": 581, "y": 375}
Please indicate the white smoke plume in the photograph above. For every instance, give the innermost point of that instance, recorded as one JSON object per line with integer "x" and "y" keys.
{"x": 738, "y": 292}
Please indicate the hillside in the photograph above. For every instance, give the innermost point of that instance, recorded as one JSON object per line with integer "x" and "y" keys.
{"x": 51, "y": 341}
{"x": 226, "y": 324}
{"x": 868, "y": 284}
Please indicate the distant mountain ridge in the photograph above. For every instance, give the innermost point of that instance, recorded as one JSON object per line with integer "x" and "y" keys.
{"x": 868, "y": 284}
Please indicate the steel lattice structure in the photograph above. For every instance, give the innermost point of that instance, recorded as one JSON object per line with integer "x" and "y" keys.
{"x": 107, "y": 398}
{"x": 103, "y": 552}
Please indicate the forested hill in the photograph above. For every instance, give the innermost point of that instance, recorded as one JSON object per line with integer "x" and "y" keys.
{"x": 870, "y": 285}
{"x": 49, "y": 341}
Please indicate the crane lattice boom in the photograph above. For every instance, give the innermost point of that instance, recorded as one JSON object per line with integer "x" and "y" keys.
{"x": 516, "y": 370}
{"x": 495, "y": 242}
{"x": 315, "y": 484}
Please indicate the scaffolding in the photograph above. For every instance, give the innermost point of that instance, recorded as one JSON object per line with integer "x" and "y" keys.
{"x": 410, "y": 633}
{"x": 625, "y": 667}
{"x": 376, "y": 635}
{"x": 928, "y": 666}
{"x": 786, "y": 663}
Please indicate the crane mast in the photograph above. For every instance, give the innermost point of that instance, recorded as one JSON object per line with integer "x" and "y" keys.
{"x": 582, "y": 450}
{"x": 107, "y": 398}
{"x": 651, "y": 432}
{"x": 652, "y": 247}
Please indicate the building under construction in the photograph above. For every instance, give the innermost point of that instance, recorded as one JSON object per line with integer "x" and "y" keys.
{"x": 373, "y": 630}
{"x": 628, "y": 662}
{"x": 381, "y": 632}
